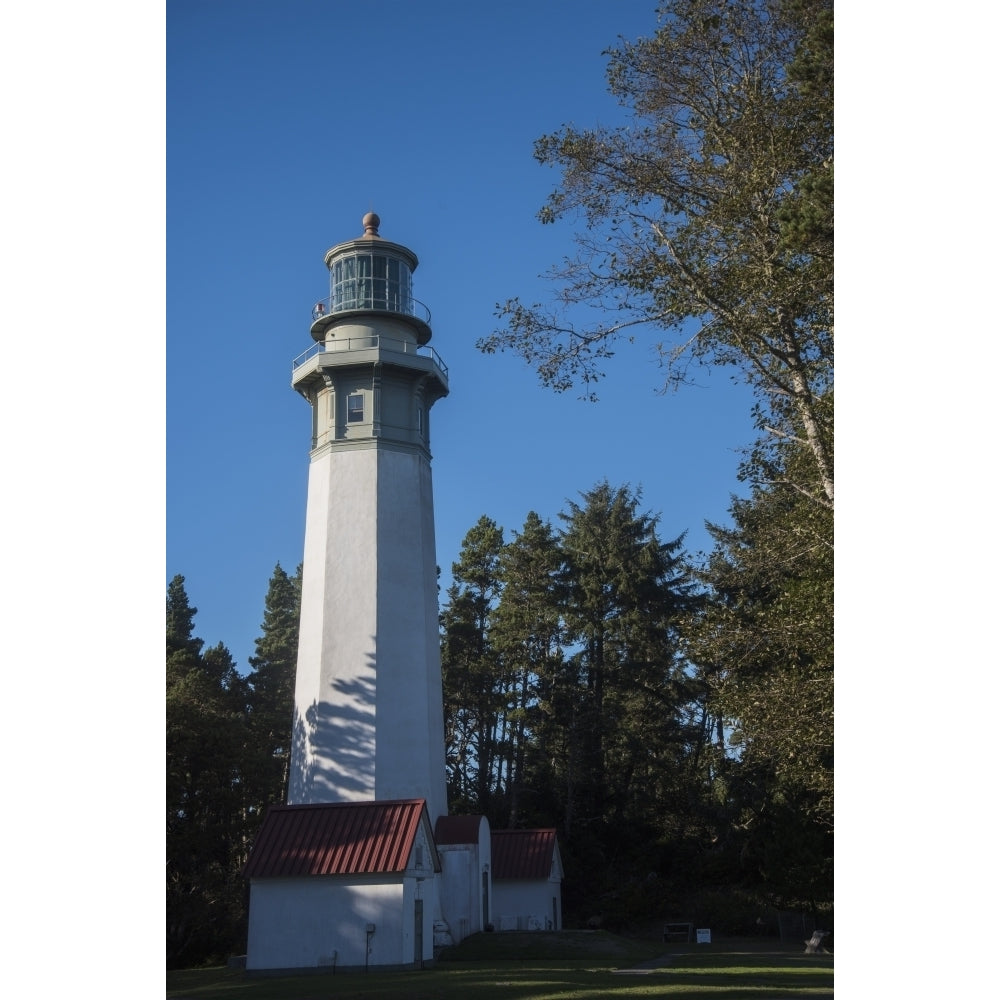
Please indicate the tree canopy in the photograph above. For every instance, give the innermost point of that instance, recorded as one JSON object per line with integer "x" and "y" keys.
{"x": 709, "y": 215}
{"x": 705, "y": 224}
{"x": 228, "y": 737}
{"x": 205, "y": 743}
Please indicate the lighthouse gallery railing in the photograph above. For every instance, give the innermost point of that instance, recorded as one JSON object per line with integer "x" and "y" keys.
{"x": 368, "y": 343}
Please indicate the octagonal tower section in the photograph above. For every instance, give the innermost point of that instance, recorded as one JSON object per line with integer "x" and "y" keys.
{"x": 368, "y": 698}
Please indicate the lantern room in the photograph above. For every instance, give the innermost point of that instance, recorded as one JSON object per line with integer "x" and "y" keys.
{"x": 370, "y": 275}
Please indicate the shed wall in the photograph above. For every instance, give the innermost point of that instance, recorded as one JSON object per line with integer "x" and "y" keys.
{"x": 312, "y": 922}
{"x": 530, "y": 905}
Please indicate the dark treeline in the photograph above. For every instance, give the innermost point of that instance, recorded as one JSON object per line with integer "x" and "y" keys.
{"x": 228, "y": 742}
{"x": 672, "y": 720}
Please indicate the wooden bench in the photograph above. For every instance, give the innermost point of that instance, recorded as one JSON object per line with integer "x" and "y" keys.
{"x": 814, "y": 946}
{"x": 679, "y": 931}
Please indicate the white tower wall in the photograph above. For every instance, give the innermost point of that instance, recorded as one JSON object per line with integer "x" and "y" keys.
{"x": 368, "y": 711}
{"x": 368, "y": 701}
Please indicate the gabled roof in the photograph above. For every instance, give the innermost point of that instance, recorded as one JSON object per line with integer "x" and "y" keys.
{"x": 343, "y": 838}
{"x": 457, "y": 829}
{"x": 524, "y": 854}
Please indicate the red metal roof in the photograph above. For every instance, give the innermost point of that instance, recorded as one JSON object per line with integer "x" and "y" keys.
{"x": 342, "y": 838}
{"x": 523, "y": 854}
{"x": 457, "y": 829}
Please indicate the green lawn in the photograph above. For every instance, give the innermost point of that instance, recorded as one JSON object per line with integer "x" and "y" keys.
{"x": 564, "y": 965}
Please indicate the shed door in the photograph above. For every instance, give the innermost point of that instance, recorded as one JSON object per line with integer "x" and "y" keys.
{"x": 418, "y": 933}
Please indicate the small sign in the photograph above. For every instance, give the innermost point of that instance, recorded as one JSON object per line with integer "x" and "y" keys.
{"x": 704, "y": 935}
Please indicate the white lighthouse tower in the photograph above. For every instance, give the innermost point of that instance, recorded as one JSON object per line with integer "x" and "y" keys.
{"x": 364, "y": 866}
{"x": 368, "y": 702}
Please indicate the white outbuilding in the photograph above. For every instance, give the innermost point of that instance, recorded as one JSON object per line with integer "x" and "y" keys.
{"x": 527, "y": 880}
{"x": 344, "y": 885}
{"x": 466, "y": 884}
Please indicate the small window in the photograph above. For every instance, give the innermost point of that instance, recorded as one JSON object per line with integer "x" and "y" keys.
{"x": 355, "y": 408}
{"x": 420, "y": 855}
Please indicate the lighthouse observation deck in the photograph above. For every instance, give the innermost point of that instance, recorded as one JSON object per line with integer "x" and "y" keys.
{"x": 361, "y": 349}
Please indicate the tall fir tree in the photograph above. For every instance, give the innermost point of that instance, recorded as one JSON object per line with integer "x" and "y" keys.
{"x": 272, "y": 690}
{"x": 527, "y": 634}
{"x": 473, "y": 705}
{"x": 205, "y": 740}
{"x": 628, "y": 718}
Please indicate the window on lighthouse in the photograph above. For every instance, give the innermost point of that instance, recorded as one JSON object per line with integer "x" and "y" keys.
{"x": 355, "y": 408}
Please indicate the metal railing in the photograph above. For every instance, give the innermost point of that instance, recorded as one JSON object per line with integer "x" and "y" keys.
{"x": 365, "y": 299}
{"x": 368, "y": 343}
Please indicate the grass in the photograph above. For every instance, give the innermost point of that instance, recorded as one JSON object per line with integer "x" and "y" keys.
{"x": 568, "y": 965}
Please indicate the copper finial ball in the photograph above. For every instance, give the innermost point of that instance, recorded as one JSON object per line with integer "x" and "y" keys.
{"x": 371, "y": 223}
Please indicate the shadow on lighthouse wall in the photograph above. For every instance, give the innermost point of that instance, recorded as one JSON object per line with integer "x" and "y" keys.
{"x": 333, "y": 744}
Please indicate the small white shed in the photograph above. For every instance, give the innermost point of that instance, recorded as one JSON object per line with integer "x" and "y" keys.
{"x": 348, "y": 885}
{"x": 466, "y": 888}
{"x": 527, "y": 880}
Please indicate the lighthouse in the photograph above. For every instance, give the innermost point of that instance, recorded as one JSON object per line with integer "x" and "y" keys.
{"x": 368, "y": 721}
{"x": 363, "y": 866}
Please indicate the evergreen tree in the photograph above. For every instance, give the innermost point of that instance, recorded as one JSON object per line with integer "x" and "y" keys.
{"x": 629, "y": 717}
{"x": 527, "y": 634}
{"x": 567, "y": 688}
{"x": 205, "y": 739}
{"x": 272, "y": 691}
{"x": 181, "y": 642}
{"x": 473, "y": 697}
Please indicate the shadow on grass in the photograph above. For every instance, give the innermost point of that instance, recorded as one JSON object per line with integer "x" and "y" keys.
{"x": 510, "y": 980}
{"x": 740, "y": 976}
{"x": 575, "y": 967}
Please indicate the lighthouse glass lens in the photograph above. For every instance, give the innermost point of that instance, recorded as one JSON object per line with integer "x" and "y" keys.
{"x": 371, "y": 281}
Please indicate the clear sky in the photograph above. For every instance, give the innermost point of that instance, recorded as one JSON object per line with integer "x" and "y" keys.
{"x": 285, "y": 124}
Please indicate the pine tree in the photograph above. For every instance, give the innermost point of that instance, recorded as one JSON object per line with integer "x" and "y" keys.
{"x": 272, "y": 690}
{"x": 527, "y": 634}
{"x": 205, "y": 738}
{"x": 628, "y": 723}
{"x": 473, "y": 697}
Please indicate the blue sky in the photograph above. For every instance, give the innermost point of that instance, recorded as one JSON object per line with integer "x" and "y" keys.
{"x": 285, "y": 124}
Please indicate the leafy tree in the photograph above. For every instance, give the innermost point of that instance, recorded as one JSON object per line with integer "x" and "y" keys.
{"x": 708, "y": 215}
{"x": 766, "y": 642}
